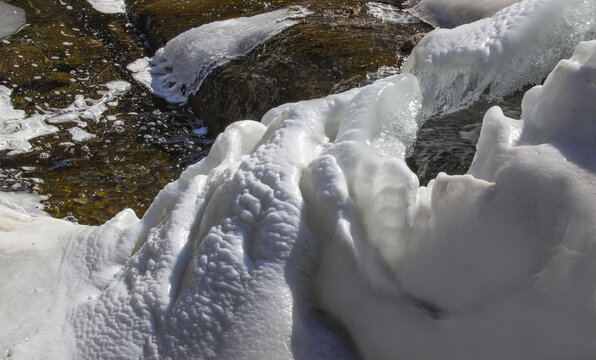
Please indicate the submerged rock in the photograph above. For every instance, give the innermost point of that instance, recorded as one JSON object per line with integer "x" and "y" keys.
{"x": 329, "y": 51}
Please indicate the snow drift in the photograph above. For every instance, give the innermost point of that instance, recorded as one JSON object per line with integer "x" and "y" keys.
{"x": 309, "y": 222}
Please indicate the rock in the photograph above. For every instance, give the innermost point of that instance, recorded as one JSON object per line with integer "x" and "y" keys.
{"x": 329, "y": 51}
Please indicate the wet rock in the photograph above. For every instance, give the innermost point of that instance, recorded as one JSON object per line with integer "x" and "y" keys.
{"x": 329, "y": 51}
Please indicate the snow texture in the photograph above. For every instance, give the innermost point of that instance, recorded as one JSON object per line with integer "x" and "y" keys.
{"x": 306, "y": 236}
{"x": 178, "y": 69}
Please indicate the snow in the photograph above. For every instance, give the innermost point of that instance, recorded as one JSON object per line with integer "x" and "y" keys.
{"x": 314, "y": 211}
{"x": 12, "y": 19}
{"x": 178, "y": 69}
{"x": 109, "y": 6}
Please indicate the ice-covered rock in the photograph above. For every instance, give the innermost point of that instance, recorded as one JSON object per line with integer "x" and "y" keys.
{"x": 452, "y": 13}
{"x": 515, "y": 47}
{"x": 178, "y": 69}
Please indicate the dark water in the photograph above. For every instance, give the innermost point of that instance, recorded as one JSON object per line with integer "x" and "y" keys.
{"x": 447, "y": 143}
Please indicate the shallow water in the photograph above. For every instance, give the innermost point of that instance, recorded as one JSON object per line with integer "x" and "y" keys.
{"x": 141, "y": 142}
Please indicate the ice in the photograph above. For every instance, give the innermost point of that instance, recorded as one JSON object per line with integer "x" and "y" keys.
{"x": 109, "y": 6}
{"x": 178, "y": 69}
{"x": 452, "y": 13}
{"x": 515, "y": 47}
{"x": 306, "y": 236}
{"x": 12, "y": 19}
{"x": 79, "y": 135}
{"x": 389, "y": 13}
{"x": 16, "y": 129}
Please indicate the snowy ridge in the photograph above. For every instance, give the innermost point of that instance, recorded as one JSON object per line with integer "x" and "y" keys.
{"x": 515, "y": 47}
{"x": 315, "y": 209}
{"x": 178, "y": 69}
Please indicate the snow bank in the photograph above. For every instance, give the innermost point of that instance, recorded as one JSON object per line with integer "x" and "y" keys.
{"x": 178, "y": 69}
{"x": 498, "y": 265}
{"x": 108, "y": 6}
{"x": 452, "y": 13}
{"x": 310, "y": 223}
{"x": 12, "y": 19}
{"x": 515, "y": 47}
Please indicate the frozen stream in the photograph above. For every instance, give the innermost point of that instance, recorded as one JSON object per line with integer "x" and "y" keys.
{"x": 306, "y": 235}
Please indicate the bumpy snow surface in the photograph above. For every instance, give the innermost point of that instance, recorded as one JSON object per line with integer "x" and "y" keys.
{"x": 307, "y": 229}
{"x": 12, "y": 19}
{"x": 179, "y": 68}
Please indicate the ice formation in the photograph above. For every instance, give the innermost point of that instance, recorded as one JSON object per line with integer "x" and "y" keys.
{"x": 108, "y": 6}
{"x": 16, "y": 129}
{"x": 313, "y": 211}
{"x": 12, "y": 19}
{"x": 452, "y": 13}
{"x": 515, "y": 47}
{"x": 389, "y": 13}
{"x": 178, "y": 69}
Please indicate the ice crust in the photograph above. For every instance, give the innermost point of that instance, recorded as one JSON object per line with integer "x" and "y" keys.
{"x": 452, "y": 13}
{"x": 314, "y": 210}
{"x": 515, "y": 47}
{"x": 108, "y": 6}
{"x": 16, "y": 129}
{"x": 178, "y": 69}
{"x": 12, "y": 18}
